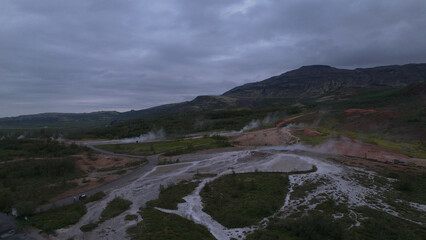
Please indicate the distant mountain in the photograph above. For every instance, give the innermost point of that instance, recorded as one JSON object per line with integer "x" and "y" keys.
{"x": 60, "y": 119}
{"x": 314, "y": 81}
{"x": 308, "y": 82}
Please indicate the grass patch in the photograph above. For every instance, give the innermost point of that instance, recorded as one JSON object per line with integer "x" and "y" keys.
{"x": 171, "y": 196}
{"x": 380, "y": 225}
{"x": 163, "y": 226}
{"x": 35, "y": 181}
{"x": 130, "y": 217}
{"x": 204, "y": 175}
{"x": 120, "y": 172}
{"x": 89, "y": 227}
{"x": 159, "y": 225}
{"x": 95, "y": 197}
{"x": 411, "y": 187}
{"x": 312, "y": 140}
{"x": 239, "y": 200}
{"x": 174, "y": 147}
{"x": 115, "y": 208}
{"x": 320, "y": 224}
{"x": 59, "y": 217}
{"x": 315, "y": 226}
{"x": 28, "y": 148}
{"x": 410, "y": 148}
{"x": 413, "y": 149}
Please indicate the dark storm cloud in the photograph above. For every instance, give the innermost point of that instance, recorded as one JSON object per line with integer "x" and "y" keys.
{"x": 76, "y": 56}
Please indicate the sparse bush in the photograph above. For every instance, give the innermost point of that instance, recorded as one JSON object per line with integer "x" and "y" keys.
{"x": 95, "y": 197}
{"x": 131, "y": 217}
{"x": 59, "y": 217}
{"x": 115, "y": 208}
{"x": 89, "y": 227}
{"x": 404, "y": 185}
{"x": 25, "y": 208}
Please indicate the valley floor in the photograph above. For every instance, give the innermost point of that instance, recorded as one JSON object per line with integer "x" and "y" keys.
{"x": 350, "y": 186}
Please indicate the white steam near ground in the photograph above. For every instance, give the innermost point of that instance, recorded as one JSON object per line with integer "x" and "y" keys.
{"x": 150, "y": 136}
{"x": 270, "y": 119}
{"x": 153, "y": 135}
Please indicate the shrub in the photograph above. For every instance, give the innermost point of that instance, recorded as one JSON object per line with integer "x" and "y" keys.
{"x": 25, "y": 208}
{"x": 115, "y": 208}
{"x": 89, "y": 227}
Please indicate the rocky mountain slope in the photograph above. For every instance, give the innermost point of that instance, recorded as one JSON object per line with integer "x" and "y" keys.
{"x": 308, "y": 82}
{"x": 314, "y": 81}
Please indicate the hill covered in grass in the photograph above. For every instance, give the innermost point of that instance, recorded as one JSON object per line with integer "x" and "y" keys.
{"x": 400, "y": 89}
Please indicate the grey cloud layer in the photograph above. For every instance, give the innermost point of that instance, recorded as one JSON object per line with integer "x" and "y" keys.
{"x": 80, "y": 55}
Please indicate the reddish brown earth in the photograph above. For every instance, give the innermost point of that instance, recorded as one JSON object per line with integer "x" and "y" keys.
{"x": 306, "y": 132}
{"x": 265, "y": 137}
{"x": 357, "y": 153}
{"x": 356, "y": 148}
{"x": 95, "y": 177}
{"x": 288, "y": 120}
{"x": 376, "y": 115}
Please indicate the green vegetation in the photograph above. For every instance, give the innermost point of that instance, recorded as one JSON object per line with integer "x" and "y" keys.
{"x": 320, "y": 222}
{"x": 413, "y": 149}
{"x": 35, "y": 181}
{"x": 314, "y": 226}
{"x": 130, "y": 217}
{"x": 171, "y": 196}
{"x": 115, "y": 208}
{"x": 312, "y": 140}
{"x": 59, "y": 217}
{"x": 89, "y": 227}
{"x": 158, "y": 225}
{"x": 410, "y": 187}
{"x": 239, "y": 200}
{"x": 95, "y": 197}
{"x": 163, "y": 226}
{"x": 170, "y": 147}
{"x": 26, "y": 183}
{"x": 189, "y": 122}
{"x": 25, "y": 148}
{"x": 190, "y": 148}
{"x": 380, "y": 225}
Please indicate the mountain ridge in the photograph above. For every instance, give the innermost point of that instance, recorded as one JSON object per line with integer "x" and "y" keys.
{"x": 315, "y": 80}
{"x": 306, "y": 82}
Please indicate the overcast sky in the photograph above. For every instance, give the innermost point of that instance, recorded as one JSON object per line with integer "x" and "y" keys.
{"x": 85, "y": 55}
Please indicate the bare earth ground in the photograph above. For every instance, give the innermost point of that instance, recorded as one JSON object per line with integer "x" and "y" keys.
{"x": 265, "y": 137}
{"x": 94, "y": 177}
{"x": 350, "y": 147}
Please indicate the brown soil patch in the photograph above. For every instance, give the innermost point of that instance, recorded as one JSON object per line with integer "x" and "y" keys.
{"x": 288, "y": 120}
{"x": 378, "y": 115}
{"x": 306, "y": 132}
{"x": 353, "y": 148}
{"x": 376, "y": 165}
{"x": 94, "y": 177}
{"x": 265, "y": 137}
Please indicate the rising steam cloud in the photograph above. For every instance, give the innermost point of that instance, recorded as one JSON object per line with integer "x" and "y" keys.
{"x": 152, "y": 135}
{"x": 270, "y": 119}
